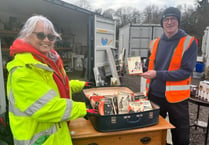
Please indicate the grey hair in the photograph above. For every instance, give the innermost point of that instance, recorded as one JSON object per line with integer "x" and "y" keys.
{"x": 31, "y": 23}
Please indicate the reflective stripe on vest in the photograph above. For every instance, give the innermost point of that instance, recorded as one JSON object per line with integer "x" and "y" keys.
{"x": 34, "y": 107}
{"x": 176, "y": 91}
{"x": 44, "y": 67}
{"x": 153, "y": 44}
{"x": 47, "y": 132}
{"x": 69, "y": 105}
{"x": 38, "y": 104}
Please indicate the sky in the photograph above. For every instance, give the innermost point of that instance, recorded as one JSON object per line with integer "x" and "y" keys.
{"x": 138, "y": 4}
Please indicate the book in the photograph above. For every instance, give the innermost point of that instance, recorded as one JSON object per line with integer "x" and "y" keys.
{"x": 123, "y": 102}
{"x": 106, "y": 107}
{"x": 95, "y": 100}
{"x": 135, "y": 107}
{"x": 134, "y": 65}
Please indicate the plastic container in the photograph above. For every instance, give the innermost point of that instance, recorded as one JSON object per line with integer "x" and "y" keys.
{"x": 199, "y": 67}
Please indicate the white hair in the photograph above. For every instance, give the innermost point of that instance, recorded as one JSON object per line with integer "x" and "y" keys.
{"x": 31, "y": 23}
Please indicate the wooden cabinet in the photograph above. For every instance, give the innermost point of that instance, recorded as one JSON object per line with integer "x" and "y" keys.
{"x": 83, "y": 133}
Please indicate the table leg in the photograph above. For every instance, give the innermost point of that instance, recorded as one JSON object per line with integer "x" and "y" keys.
{"x": 197, "y": 117}
{"x": 206, "y": 135}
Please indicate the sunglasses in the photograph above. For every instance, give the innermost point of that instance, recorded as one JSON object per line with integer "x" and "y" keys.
{"x": 42, "y": 36}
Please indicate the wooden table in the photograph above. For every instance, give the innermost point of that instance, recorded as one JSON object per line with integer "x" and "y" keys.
{"x": 83, "y": 133}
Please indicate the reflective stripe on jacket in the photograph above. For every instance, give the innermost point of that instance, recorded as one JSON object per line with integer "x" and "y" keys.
{"x": 37, "y": 113}
{"x": 176, "y": 91}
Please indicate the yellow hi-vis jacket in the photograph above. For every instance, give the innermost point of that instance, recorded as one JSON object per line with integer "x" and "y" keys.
{"x": 176, "y": 91}
{"x": 37, "y": 113}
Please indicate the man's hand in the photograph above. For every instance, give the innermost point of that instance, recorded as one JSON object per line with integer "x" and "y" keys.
{"x": 151, "y": 74}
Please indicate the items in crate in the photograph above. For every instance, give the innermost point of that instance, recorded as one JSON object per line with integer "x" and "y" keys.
{"x": 138, "y": 95}
{"x": 139, "y": 106}
{"x": 147, "y": 105}
{"x": 121, "y": 103}
{"x": 106, "y": 107}
{"x": 203, "y": 91}
{"x": 135, "y": 107}
{"x": 94, "y": 100}
{"x": 112, "y": 99}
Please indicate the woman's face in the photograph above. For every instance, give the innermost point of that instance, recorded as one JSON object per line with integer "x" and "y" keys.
{"x": 43, "y": 42}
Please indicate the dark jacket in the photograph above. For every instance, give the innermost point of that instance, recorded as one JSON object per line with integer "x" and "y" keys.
{"x": 163, "y": 58}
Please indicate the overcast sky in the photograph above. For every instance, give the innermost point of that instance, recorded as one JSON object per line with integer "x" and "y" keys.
{"x": 138, "y": 4}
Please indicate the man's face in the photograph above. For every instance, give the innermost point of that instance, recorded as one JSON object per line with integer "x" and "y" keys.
{"x": 170, "y": 25}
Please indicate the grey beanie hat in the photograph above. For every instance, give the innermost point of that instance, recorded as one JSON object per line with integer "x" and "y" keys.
{"x": 171, "y": 11}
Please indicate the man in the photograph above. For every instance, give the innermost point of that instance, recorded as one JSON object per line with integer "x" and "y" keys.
{"x": 169, "y": 68}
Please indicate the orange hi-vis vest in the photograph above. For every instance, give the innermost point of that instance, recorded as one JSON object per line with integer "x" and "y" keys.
{"x": 176, "y": 91}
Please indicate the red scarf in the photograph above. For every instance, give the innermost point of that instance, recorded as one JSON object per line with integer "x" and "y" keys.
{"x": 59, "y": 75}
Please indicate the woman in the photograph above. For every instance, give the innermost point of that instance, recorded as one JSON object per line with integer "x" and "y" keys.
{"x": 38, "y": 88}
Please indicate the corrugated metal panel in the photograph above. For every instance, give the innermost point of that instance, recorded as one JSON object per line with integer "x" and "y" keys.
{"x": 139, "y": 38}
{"x": 2, "y": 90}
{"x": 124, "y": 39}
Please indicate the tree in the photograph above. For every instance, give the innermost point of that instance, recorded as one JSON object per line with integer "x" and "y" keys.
{"x": 108, "y": 13}
{"x": 84, "y": 4}
{"x": 98, "y": 11}
{"x": 152, "y": 14}
{"x": 202, "y": 2}
{"x": 128, "y": 15}
{"x": 195, "y": 21}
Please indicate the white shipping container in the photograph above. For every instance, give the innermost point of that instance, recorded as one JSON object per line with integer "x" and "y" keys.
{"x": 135, "y": 38}
{"x": 105, "y": 34}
